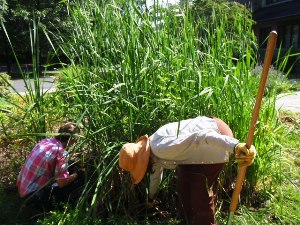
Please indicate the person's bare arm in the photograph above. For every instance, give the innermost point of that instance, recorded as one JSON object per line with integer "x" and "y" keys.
{"x": 62, "y": 182}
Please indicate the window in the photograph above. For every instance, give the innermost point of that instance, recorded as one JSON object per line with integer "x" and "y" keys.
{"x": 295, "y": 35}
{"x": 289, "y": 36}
{"x": 268, "y": 2}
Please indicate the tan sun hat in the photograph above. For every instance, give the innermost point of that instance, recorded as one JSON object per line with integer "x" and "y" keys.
{"x": 134, "y": 158}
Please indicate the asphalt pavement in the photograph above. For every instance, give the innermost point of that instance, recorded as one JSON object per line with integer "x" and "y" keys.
{"x": 46, "y": 85}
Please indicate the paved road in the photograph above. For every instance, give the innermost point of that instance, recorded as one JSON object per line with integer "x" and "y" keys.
{"x": 47, "y": 85}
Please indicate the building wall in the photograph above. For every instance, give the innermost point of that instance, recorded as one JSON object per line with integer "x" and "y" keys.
{"x": 287, "y": 26}
{"x": 256, "y": 4}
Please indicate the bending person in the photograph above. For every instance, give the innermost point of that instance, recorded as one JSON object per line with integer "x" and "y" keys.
{"x": 198, "y": 149}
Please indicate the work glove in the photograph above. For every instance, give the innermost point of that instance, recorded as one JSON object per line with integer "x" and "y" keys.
{"x": 243, "y": 155}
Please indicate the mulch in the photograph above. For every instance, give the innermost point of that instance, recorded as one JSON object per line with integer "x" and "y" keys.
{"x": 12, "y": 156}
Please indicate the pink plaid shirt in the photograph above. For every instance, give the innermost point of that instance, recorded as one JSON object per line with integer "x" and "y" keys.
{"x": 47, "y": 160}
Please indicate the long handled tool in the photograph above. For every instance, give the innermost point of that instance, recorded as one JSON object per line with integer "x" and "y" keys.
{"x": 242, "y": 170}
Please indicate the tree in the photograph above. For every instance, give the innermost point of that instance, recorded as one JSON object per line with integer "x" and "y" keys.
{"x": 3, "y": 9}
{"x": 18, "y": 18}
{"x": 215, "y": 12}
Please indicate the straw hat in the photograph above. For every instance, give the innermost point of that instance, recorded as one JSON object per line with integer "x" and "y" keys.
{"x": 134, "y": 158}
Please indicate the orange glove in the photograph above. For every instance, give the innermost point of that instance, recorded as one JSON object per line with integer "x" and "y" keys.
{"x": 243, "y": 155}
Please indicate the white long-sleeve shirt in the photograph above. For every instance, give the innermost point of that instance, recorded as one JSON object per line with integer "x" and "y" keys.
{"x": 191, "y": 141}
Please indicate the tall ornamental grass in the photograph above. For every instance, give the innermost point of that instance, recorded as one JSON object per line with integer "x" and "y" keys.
{"x": 32, "y": 108}
{"x": 133, "y": 69}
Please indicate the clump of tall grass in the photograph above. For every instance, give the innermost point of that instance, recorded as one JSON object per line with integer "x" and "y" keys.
{"x": 34, "y": 107}
{"x": 133, "y": 70}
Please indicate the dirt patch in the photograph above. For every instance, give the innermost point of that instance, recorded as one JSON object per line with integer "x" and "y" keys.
{"x": 12, "y": 156}
{"x": 289, "y": 120}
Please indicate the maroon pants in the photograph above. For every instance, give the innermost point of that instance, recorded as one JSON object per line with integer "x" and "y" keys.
{"x": 196, "y": 187}
{"x": 196, "y": 192}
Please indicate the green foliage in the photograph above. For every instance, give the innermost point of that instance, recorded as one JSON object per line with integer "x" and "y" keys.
{"x": 17, "y": 17}
{"x": 3, "y": 9}
{"x": 133, "y": 71}
{"x": 219, "y": 14}
{"x": 277, "y": 80}
{"x": 31, "y": 109}
{"x": 65, "y": 218}
{"x": 5, "y": 84}
{"x": 286, "y": 60}
{"x": 219, "y": 8}
{"x": 282, "y": 204}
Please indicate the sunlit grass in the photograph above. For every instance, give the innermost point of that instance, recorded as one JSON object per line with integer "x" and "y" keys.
{"x": 128, "y": 76}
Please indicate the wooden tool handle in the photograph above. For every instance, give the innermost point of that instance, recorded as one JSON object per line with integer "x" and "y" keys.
{"x": 267, "y": 62}
{"x": 242, "y": 170}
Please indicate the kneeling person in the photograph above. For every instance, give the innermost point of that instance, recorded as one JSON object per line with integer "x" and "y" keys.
{"x": 46, "y": 172}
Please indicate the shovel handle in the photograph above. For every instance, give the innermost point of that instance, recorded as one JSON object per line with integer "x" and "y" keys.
{"x": 267, "y": 62}
{"x": 242, "y": 170}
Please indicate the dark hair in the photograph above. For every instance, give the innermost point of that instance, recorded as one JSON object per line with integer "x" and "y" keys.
{"x": 66, "y": 131}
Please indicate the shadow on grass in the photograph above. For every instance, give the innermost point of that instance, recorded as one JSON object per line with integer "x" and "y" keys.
{"x": 13, "y": 211}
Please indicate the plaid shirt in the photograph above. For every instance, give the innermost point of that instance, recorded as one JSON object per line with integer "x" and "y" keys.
{"x": 47, "y": 160}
